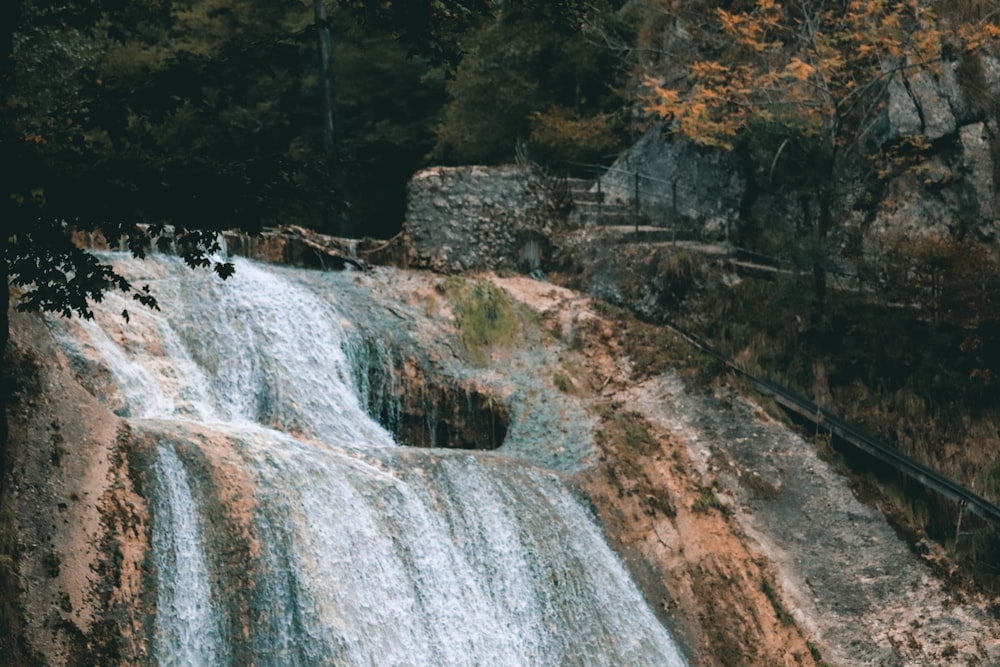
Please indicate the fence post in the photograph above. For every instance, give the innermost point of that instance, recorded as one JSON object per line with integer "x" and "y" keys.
{"x": 600, "y": 200}
{"x": 636, "y": 206}
{"x": 673, "y": 212}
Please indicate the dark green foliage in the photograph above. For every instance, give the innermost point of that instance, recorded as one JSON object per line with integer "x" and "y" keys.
{"x": 148, "y": 113}
{"x": 706, "y": 501}
{"x": 205, "y": 115}
{"x": 486, "y": 317}
{"x": 817, "y": 656}
{"x": 187, "y": 117}
{"x": 429, "y": 29}
{"x": 537, "y": 70}
{"x": 206, "y": 111}
{"x": 387, "y": 104}
{"x": 492, "y": 98}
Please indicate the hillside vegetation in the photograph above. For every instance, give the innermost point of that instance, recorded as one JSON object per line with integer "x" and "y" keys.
{"x": 908, "y": 352}
{"x": 211, "y": 111}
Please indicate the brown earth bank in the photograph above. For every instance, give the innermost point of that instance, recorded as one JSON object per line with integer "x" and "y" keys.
{"x": 752, "y": 549}
{"x": 82, "y": 530}
{"x": 734, "y": 523}
{"x": 876, "y": 357}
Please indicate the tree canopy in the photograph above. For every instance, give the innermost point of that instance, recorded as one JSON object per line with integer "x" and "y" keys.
{"x": 541, "y": 74}
{"x": 203, "y": 115}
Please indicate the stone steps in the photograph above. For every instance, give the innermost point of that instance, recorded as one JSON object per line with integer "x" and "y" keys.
{"x": 648, "y": 234}
{"x": 603, "y": 216}
{"x": 579, "y": 183}
{"x": 590, "y": 207}
{"x": 585, "y": 196}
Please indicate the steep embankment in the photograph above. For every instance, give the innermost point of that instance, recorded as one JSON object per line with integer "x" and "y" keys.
{"x": 732, "y": 578}
{"x": 81, "y": 527}
{"x": 759, "y": 542}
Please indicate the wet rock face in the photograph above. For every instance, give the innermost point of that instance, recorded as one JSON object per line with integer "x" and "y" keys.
{"x": 422, "y": 410}
{"x": 443, "y": 419}
{"x": 82, "y": 527}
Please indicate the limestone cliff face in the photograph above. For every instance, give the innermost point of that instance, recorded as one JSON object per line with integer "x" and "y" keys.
{"x": 953, "y": 193}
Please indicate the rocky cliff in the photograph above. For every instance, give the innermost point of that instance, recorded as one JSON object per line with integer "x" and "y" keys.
{"x": 951, "y": 192}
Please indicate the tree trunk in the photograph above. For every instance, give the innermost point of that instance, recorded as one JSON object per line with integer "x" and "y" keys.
{"x": 325, "y": 85}
{"x": 10, "y": 14}
{"x": 825, "y": 224}
{"x": 4, "y": 338}
{"x": 749, "y": 230}
{"x": 819, "y": 288}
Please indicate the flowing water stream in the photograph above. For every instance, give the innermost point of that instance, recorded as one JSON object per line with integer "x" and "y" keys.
{"x": 289, "y": 528}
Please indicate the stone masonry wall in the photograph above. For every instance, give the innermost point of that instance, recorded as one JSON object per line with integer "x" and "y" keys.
{"x": 465, "y": 218}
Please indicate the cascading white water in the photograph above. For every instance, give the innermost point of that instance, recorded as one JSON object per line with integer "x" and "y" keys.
{"x": 289, "y": 529}
{"x": 187, "y": 631}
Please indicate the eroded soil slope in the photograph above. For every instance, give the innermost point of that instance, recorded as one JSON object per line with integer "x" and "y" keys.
{"x": 758, "y": 546}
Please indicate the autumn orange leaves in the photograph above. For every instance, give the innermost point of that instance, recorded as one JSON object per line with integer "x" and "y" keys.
{"x": 817, "y": 68}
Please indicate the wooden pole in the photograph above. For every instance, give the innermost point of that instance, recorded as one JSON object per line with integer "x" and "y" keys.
{"x": 636, "y": 206}
{"x": 325, "y": 84}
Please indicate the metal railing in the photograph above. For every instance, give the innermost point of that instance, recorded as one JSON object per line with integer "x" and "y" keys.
{"x": 654, "y": 208}
{"x": 644, "y": 205}
{"x": 832, "y": 423}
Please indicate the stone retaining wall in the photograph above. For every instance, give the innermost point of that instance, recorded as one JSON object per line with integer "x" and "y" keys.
{"x": 465, "y": 218}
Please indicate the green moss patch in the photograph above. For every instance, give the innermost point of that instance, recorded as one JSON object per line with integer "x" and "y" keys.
{"x": 486, "y": 317}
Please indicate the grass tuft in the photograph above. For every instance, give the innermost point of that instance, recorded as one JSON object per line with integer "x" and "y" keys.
{"x": 487, "y": 318}
{"x": 780, "y": 610}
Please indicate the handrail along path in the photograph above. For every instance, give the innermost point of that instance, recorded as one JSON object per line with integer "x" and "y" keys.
{"x": 823, "y": 418}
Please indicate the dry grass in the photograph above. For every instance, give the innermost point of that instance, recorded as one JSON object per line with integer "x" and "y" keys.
{"x": 899, "y": 375}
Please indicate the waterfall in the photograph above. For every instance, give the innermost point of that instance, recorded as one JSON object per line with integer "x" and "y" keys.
{"x": 188, "y": 631}
{"x": 289, "y": 528}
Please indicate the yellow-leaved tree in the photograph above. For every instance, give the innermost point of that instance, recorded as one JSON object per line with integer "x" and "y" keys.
{"x": 815, "y": 75}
